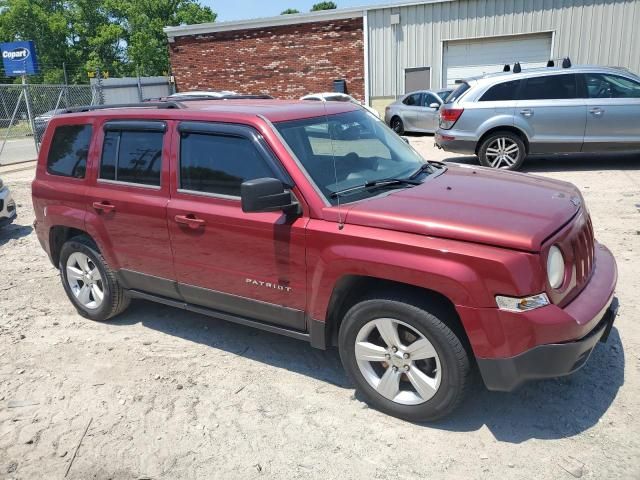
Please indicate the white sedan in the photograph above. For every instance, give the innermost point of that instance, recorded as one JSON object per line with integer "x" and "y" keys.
{"x": 7, "y": 206}
{"x": 338, "y": 97}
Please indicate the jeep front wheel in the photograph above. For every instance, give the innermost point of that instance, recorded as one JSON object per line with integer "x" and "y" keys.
{"x": 404, "y": 360}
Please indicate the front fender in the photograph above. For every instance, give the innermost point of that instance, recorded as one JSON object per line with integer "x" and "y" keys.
{"x": 467, "y": 274}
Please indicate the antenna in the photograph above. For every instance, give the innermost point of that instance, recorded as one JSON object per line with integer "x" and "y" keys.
{"x": 517, "y": 68}
{"x": 507, "y": 68}
{"x": 335, "y": 168}
{"x": 551, "y": 63}
{"x": 566, "y": 62}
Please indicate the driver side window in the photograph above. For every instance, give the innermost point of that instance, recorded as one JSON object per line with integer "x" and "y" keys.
{"x": 601, "y": 85}
{"x": 428, "y": 99}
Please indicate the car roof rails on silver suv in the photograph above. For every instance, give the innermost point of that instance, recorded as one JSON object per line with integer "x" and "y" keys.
{"x": 517, "y": 68}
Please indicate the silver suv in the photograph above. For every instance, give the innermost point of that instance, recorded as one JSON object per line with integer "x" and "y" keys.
{"x": 504, "y": 117}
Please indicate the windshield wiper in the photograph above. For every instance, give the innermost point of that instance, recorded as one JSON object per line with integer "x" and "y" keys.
{"x": 425, "y": 167}
{"x": 385, "y": 182}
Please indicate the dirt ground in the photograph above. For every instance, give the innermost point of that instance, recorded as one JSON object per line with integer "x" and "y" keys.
{"x": 168, "y": 394}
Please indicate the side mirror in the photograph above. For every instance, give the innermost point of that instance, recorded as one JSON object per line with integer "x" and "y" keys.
{"x": 435, "y": 105}
{"x": 266, "y": 195}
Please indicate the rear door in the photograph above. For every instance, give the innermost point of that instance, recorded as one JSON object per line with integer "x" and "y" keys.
{"x": 127, "y": 199}
{"x": 550, "y": 110}
{"x": 613, "y": 113}
{"x": 247, "y": 264}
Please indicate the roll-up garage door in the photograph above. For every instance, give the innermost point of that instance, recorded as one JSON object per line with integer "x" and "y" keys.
{"x": 470, "y": 58}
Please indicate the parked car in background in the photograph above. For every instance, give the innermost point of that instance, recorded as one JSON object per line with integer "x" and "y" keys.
{"x": 8, "y": 211}
{"x": 504, "y": 117}
{"x": 40, "y": 122}
{"x": 416, "y": 111}
{"x": 421, "y": 273}
{"x": 339, "y": 97}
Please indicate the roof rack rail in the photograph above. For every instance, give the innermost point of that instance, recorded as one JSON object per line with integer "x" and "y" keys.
{"x": 197, "y": 98}
{"x": 91, "y": 108}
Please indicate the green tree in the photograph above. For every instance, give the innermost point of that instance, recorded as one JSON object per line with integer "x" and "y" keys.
{"x": 143, "y": 21}
{"x": 289, "y": 11}
{"x": 44, "y": 22}
{"x": 122, "y": 37}
{"x": 324, "y": 6}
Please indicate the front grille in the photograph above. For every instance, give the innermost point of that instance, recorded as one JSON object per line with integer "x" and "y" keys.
{"x": 583, "y": 252}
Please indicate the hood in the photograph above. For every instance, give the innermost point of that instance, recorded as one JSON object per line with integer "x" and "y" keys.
{"x": 473, "y": 204}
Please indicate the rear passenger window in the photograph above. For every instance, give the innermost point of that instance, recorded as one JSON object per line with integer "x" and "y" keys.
{"x": 550, "y": 87}
{"x": 132, "y": 157}
{"x": 501, "y": 92}
{"x": 219, "y": 164}
{"x": 69, "y": 150}
{"x": 412, "y": 100}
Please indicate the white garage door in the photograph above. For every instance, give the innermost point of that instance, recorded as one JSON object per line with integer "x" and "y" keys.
{"x": 471, "y": 58}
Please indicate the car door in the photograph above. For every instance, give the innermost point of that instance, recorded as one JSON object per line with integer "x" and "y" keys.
{"x": 247, "y": 264}
{"x": 409, "y": 110}
{"x": 426, "y": 115}
{"x": 613, "y": 113}
{"x": 128, "y": 198}
{"x": 550, "y": 111}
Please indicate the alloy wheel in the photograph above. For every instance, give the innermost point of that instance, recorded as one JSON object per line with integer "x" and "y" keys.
{"x": 503, "y": 153}
{"x": 84, "y": 280}
{"x": 397, "y": 361}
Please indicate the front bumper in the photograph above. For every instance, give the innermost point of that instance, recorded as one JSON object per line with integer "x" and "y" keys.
{"x": 8, "y": 211}
{"x": 546, "y": 361}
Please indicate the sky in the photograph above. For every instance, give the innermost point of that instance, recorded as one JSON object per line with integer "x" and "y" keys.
{"x": 243, "y": 9}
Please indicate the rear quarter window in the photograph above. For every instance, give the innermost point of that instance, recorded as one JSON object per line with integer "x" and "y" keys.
{"x": 69, "y": 149}
{"x": 501, "y": 92}
{"x": 458, "y": 92}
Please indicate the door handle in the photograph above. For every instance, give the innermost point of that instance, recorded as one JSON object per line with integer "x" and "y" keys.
{"x": 104, "y": 206}
{"x": 190, "y": 220}
{"x": 526, "y": 112}
{"x": 597, "y": 111}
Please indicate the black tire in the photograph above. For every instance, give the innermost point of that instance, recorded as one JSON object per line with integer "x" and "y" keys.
{"x": 115, "y": 299}
{"x": 454, "y": 360}
{"x": 492, "y": 161}
{"x": 397, "y": 125}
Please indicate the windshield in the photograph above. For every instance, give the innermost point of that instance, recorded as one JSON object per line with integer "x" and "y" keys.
{"x": 365, "y": 150}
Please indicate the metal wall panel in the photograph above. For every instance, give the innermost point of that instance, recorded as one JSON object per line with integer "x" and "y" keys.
{"x": 600, "y": 32}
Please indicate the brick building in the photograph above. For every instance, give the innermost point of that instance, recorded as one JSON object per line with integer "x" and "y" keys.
{"x": 286, "y": 57}
{"x": 385, "y": 51}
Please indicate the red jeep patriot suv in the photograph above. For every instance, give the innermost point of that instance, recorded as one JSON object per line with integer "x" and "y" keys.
{"x": 318, "y": 222}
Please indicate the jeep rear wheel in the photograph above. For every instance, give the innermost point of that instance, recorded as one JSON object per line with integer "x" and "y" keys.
{"x": 88, "y": 281}
{"x": 502, "y": 150}
{"x": 404, "y": 360}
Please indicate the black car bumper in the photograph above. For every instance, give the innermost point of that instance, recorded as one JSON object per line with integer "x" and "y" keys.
{"x": 545, "y": 361}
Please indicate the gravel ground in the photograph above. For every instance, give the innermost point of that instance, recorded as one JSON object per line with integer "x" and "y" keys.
{"x": 170, "y": 394}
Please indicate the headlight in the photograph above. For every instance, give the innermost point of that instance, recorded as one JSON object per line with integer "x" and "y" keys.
{"x": 514, "y": 304}
{"x": 555, "y": 267}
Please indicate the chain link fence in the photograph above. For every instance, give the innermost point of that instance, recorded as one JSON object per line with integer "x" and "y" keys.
{"x": 25, "y": 111}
